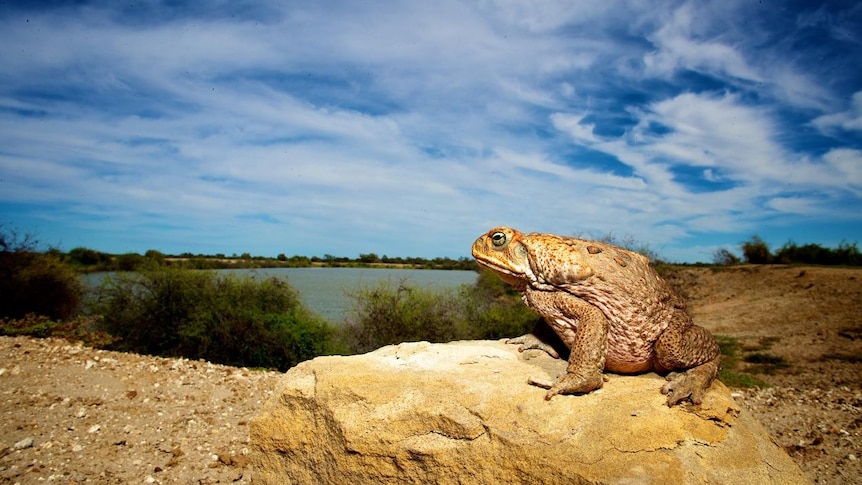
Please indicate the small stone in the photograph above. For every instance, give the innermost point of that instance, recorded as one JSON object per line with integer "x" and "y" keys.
{"x": 225, "y": 458}
{"x": 76, "y": 448}
{"x": 94, "y": 428}
{"x": 851, "y": 457}
{"x": 82, "y": 412}
{"x": 25, "y": 443}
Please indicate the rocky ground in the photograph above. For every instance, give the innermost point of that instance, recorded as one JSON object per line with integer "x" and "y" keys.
{"x": 71, "y": 414}
{"x": 801, "y": 330}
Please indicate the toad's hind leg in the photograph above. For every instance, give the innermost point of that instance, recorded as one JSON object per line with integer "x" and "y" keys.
{"x": 686, "y": 347}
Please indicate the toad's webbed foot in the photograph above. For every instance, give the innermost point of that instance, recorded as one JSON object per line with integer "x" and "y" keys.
{"x": 569, "y": 383}
{"x": 530, "y": 341}
{"x": 685, "y": 346}
{"x": 691, "y": 384}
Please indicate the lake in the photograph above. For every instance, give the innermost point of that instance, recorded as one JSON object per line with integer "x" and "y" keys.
{"x": 325, "y": 291}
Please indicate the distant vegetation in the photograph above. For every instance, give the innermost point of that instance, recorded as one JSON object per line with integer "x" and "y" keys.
{"x": 158, "y": 304}
{"x": 756, "y": 251}
{"x": 90, "y": 260}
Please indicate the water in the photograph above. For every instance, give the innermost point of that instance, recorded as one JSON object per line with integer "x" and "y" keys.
{"x": 325, "y": 291}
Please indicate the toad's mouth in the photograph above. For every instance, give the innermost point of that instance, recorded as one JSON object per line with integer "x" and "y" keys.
{"x": 516, "y": 279}
{"x": 497, "y": 268}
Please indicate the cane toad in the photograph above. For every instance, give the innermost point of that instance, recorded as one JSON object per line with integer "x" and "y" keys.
{"x": 609, "y": 307}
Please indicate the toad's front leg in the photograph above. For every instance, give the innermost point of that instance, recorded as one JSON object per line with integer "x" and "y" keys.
{"x": 584, "y": 330}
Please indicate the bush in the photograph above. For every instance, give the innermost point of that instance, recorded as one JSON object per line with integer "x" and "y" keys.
{"x": 847, "y": 254}
{"x": 85, "y": 257}
{"x": 32, "y": 282}
{"x": 388, "y": 314}
{"x": 724, "y": 257}
{"x": 494, "y": 309}
{"x": 130, "y": 262}
{"x": 756, "y": 251}
{"x": 199, "y": 314}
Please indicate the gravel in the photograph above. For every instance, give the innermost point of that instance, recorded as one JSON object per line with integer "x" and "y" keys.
{"x": 72, "y": 414}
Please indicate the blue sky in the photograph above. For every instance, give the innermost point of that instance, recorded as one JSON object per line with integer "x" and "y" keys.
{"x": 409, "y": 128}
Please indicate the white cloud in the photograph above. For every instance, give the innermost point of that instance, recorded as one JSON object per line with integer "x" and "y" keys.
{"x": 707, "y": 38}
{"x": 678, "y": 48}
{"x": 849, "y": 120}
{"x": 582, "y": 133}
{"x": 796, "y": 205}
{"x": 718, "y": 132}
{"x": 739, "y": 148}
{"x": 846, "y": 164}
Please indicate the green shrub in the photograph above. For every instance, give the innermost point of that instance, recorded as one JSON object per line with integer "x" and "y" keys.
{"x": 33, "y": 282}
{"x": 846, "y": 254}
{"x": 494, "y": 310}
{"x": 130, "y": 262}
{"x": 756, "y": 251}
{"x": 389, "y": 313}
{"x": 220, "y": 318}
{"x": 724, "y": 257}
{"x": 90, "y": 258}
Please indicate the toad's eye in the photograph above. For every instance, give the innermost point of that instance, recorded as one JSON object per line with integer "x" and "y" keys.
{"x": 498, "y": 238}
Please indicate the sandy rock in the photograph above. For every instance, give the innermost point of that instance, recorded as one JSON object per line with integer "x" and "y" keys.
{"x": 463, "y": 413}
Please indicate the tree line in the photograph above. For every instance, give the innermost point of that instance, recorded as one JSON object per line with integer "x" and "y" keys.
{"x": 90, "y": 260}
{"x": 757, "y": 251}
